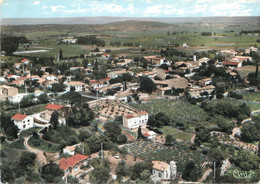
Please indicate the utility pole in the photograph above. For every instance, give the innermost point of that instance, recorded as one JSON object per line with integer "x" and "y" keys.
{"x": 25, "y": 87}
{"x": 102, "y": 152}
{"x": 214, "y": 171}
{"x": 19, "y": 108}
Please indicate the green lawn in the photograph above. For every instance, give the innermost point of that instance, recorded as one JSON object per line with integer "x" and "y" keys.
{"x": 176, "y": 133}
{"x": 253, "y": 107}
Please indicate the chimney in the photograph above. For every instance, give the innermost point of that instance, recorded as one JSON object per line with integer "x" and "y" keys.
{"x": 194, "y": 58}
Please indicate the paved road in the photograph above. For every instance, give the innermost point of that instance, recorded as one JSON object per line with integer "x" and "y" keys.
{"x": 40, "y": 156}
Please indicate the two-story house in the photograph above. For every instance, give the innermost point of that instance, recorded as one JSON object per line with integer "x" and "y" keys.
{"x": 71, "y": 166}
{"x": 22, "y": 121}
{"x": 132, "y": 121}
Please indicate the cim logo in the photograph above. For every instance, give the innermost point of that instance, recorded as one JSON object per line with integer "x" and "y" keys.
{"x": 241, "y": 174}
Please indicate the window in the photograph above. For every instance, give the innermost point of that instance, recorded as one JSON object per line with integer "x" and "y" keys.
{"x": 67, "y": 171}
{"x": 166, "y": 175}
{"x": 23, "y": 121}
{"x": 160, "y": 175}
{"x": 28, "y": 120}
{"x": 76, "y": 168}
{"x": 24, "y": 126}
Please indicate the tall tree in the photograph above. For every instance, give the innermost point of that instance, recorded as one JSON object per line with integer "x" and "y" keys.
{"x": 61, "y": 54}
{"x": 51, "y": 173}
{"x": 54, "y": 121}
{"x": 147, "y": 85}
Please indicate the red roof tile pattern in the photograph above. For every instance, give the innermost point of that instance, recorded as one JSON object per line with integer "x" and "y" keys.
{"x": 54, "y": 107}
{"x": 230, "y": 63}
{"x": 64, "y": 163}
{"x": 19, "y": 117}
{"x": 24, "y": 60}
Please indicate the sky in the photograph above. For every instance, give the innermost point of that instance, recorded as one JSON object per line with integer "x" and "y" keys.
{"x": 127, "y": 8}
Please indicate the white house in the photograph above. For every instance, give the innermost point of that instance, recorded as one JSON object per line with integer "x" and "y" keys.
{"x": 150, "y": 134}
{"x": 51, "y": 78}
{"x": 17, "y": 97}
{"x": 70, "y": 149}
{"x": 132, "y": 121}
{"x": 79, "y": 86}
{"x": 163, "y": 171}
{"x": 15, "y": 77}
{"x": 22, "y": 121}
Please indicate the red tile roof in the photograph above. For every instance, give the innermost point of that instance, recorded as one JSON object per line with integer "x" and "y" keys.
{"x": 130, "y": 116}
{"x": 146, "y": 134}
{"x": 10, "y": 76}
{"x": 19, "y": 117}
{"x": 24, "y": 60}
{"x": 230, "y": 63}
{"x": 54, "y": 107}
{"x": 64, "y": 163}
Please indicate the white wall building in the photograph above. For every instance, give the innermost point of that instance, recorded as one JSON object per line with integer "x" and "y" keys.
{"x": 70, "y": 149}
{"x": 17, "y": 98}
{"x": 163, "y": 171}
{"x": 132, "y": 121}
{"x": 79, "y": 86}
{"x": 22, "y": 121}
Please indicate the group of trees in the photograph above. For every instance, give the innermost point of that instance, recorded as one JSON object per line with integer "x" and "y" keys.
{"x": 168, "y": 52}
{"x": 147, "y": 85}
{"x": 114, "y": 133}
{"x": 91, "y": 40}
{"x": 251, "y": 131}
{"x": 10, "y": 44}
{"x": 8, "y": 126}
{"x": 227, "y": 109}
{"x": 159, "y": 120}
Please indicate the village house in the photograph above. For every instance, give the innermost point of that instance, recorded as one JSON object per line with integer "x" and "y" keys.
{"x": 150, "y": 135}
{"x": 70, "y": 149}
{"x": 76, "y": 68}
{"x": 8, "y": 90}
{"x": 79, "y": 86}
{"x": 69, "y": 40}
{"x": 50, "y": 77}
{"x": 16, "y": 98}
{"x": 13, "y": 77}
{"x": 115, "y": 74}
{"x": 71, "y": 166}
{"x": 157, "y": 61}
{"x": 25, "y": 61}
{"x": 161, "y": 73}
{"x": 205, "y": 82}
{"x": 22, "y": 121}
{"x": 150, "y": 74}
{"x": 132, "y": 121}
{"x": 167, "y": 86}
{"x": 163, "y": 171}
{"x": 251, "y": 49}
{"x": 233, "y": 64}
{"x": 62, "y": 110}
{"x": 196, "y": 92}
{"x": 97, "y": 85}
{"x": 228, "y": 53}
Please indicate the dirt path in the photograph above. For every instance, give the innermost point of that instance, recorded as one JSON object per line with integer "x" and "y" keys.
{"x": 40, "y": 156}
{"x": 205, "y": 175}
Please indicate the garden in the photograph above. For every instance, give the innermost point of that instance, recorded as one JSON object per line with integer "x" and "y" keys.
{"x": 176, "y": 133}
{"x": 155, "y": 151}
{"x": 177, "y": 111}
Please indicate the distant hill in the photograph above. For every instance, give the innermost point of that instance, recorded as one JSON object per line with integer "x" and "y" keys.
{"x": 105, "y": 20}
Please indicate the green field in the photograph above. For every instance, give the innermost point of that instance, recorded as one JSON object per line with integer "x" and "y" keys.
{"x": 176, "y": 133}
{"x": 177, "y": 111}
{"x": 252, "y": 97}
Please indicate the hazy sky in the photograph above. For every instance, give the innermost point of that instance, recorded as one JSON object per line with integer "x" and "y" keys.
{"x": 128, "y": 8}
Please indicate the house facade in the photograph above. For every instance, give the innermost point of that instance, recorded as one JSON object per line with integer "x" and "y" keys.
{"x": 71, "y": 166}
{"x": 132, "y": 121}
{"x": 163, "y": 171}
{"x": 22, "y": 121}
{"x": 79, "y": 86}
